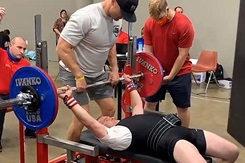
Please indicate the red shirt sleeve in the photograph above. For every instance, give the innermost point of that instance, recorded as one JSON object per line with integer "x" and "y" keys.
{"x": 186, "y": 36}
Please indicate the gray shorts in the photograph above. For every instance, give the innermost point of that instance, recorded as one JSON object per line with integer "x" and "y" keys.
{"x": 94, "y": 93}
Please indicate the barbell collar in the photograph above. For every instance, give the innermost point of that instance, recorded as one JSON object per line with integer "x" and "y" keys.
{"x": 103, "y": 83}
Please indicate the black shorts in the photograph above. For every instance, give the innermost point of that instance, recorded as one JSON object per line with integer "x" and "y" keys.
{"x": 173, "y": 135}
{"x": 179, "y": 89}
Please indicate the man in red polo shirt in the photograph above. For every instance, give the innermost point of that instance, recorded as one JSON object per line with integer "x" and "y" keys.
{"x": 122, "y": 37}
{"x": 169, "y": 36}
{"x": 10, "y": 61}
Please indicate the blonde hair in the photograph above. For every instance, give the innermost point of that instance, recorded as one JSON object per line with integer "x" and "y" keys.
{"x": 157, "y": 8}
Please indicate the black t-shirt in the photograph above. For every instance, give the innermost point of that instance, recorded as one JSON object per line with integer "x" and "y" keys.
{"x": 3, "y": 39}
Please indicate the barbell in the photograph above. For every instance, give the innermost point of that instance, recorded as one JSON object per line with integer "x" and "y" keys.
{"x": 103, "y": 82}
{"x": 34, "y": 96}
{"x": 28, "y": 97}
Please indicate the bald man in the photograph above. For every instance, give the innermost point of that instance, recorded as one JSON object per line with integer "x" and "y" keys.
{"x": 10, "y": 61}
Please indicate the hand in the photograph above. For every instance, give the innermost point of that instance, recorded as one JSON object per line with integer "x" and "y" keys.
{"x": 113, "y": 78}
{"x": 127, "y": 80}
{"x": 167, "y": 79}
{"x": 67, "y": 91}
{"x": 2, "y": 12}
{"x": 81, "y": 85}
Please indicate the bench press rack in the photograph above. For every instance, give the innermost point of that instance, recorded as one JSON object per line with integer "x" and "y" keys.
{"x": 70, "y": 146}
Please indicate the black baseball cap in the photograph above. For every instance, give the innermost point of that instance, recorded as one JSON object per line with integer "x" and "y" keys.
{"x": 127, "y": 8}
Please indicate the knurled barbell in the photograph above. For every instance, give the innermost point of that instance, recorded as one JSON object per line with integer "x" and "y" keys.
{"x": 102, "y": 83}
{"x": 28, "y": 96}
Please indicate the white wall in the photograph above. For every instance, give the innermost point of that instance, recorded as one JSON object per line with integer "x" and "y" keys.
{"x": 20, "y": 19}
{"x": 215, "y": 23}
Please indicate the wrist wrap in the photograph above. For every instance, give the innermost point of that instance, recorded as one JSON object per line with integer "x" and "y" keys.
{"x": 69, "y": 101}
{"x": 131, "y": 86}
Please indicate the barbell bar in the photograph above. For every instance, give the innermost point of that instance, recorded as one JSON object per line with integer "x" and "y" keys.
{"x": 103, "y": 83}
{"x": 25, "y": 99}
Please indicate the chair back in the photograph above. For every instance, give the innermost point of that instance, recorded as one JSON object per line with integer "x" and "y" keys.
{"x": 208, "y": 60}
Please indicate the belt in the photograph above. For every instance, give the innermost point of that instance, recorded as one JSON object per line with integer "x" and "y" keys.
{"x": 167, "y": 122}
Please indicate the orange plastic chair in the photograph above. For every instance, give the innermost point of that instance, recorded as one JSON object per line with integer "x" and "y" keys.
{"x": 207, "y": 62}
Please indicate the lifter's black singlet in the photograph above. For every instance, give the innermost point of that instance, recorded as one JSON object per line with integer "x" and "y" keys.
{"x": 140, "y": 127}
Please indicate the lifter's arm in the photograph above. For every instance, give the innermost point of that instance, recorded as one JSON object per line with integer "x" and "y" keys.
{"x": 136, "y": 101}
{"x": 92, "y": 124}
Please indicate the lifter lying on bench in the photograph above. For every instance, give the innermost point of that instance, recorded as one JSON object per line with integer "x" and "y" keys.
{"x": 156, "y": 133}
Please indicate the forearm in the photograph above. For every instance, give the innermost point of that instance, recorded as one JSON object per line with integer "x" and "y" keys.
{"x": 177, "y": 65}
{"x": 70, "y": 62}
{"x": 57, "y": 31}
{"x": 93, "y": 125}
{"x": 66, "y": 54}
{"x": 136, "y": 102}
{"x": 83, "y": 116}
{"x": 112, "y": 58}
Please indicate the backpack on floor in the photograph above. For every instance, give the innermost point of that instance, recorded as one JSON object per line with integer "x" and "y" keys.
{"x": 219, "y": 74}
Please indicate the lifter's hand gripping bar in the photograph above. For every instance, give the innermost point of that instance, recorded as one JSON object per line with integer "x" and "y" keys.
{"x": 102, "y": 83}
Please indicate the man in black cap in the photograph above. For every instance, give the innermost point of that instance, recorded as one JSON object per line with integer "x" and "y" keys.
{"x": 85, "y": 44}
{"x": 127, "y": 9}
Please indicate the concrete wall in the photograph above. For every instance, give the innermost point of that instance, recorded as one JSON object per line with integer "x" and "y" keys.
{"x": 215, "y": 23}
{"x": 20, "y": 19}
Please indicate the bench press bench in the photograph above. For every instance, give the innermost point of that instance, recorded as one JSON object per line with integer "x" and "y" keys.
{"x": 88, "y": 138}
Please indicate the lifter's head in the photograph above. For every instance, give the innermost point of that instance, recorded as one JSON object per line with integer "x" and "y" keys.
{"x": 108, "y": 121}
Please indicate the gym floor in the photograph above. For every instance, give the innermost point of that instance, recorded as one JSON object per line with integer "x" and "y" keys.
{"x": 208, "y": 111}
